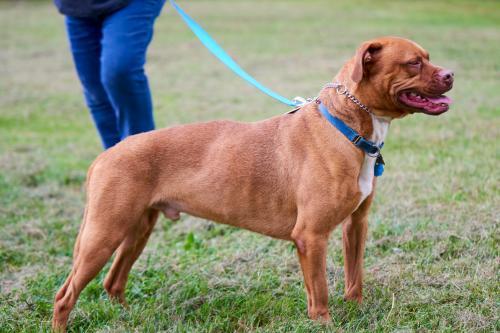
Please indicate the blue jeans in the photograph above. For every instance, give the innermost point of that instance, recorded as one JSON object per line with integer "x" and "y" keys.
{"x": 109, "y": 55}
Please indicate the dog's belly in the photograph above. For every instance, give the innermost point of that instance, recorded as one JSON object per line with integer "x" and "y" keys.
{"x": 264, "y": 220}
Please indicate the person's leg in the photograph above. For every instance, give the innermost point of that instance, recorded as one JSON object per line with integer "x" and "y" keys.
{"x": 85, "y": 41}
{"x": 126, "y": 36}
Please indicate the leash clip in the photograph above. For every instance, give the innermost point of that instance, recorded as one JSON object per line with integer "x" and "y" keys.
{"x": 300, "y": 101}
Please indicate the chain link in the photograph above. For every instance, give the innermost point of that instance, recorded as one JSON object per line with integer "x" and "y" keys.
{"x": 342, "y": 90}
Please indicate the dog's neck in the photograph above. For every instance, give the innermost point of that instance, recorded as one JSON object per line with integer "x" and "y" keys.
{"x": 366, "y": 124}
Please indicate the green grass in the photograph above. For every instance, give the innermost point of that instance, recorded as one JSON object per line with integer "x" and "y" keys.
{"x": 432, "y": 258}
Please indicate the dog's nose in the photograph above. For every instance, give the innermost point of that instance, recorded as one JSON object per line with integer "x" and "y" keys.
{"x": 446, "y": 76}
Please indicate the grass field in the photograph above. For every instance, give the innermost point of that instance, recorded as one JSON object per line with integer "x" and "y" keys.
{"x": 432, "y": 258}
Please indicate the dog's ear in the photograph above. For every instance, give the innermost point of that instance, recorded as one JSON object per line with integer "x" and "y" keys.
{"x": 364, "y": 59}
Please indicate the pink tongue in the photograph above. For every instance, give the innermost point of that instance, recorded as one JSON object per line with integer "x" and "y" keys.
{"x": 440, "y": 99}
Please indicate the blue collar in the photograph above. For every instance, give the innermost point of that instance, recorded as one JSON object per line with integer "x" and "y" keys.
{"x": 371, "y": 148}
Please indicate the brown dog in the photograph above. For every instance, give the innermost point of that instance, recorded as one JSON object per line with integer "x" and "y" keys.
{"x": 293, "y": 177}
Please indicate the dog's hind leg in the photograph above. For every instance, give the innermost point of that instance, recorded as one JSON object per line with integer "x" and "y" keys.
{"x": 76, "y": 249}
{"x": 128, "y": 252}
{"x": 95, "y": 246}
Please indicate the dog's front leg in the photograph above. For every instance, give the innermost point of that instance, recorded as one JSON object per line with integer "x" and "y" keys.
{"x": 353, "y": 239}
{"x": 311, "y": 249}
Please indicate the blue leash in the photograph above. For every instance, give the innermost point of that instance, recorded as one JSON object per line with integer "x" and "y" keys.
{"x": 369, "y": 147}
{"x": 217, "y": 51}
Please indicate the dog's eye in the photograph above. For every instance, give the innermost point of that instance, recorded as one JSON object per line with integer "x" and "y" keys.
{"x": 415, "y": 63}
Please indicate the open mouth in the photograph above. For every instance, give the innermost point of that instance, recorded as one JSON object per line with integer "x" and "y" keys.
{"x": 432, "y": 105}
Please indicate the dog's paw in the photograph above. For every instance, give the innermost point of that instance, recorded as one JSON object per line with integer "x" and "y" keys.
{"x": 354, "y": 297}
{"x": 320, "y": 316}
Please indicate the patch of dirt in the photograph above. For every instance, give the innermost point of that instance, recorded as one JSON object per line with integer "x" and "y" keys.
{"x": 16, "y": 280}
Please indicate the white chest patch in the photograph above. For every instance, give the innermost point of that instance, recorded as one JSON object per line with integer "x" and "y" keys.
{"x": 365, "y": 180}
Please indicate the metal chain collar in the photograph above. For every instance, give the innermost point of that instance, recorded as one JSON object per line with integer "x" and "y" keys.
{"x": 342, "y": 90}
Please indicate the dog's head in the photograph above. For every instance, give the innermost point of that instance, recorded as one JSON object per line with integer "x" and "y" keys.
{"x": 397, "y": 78}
